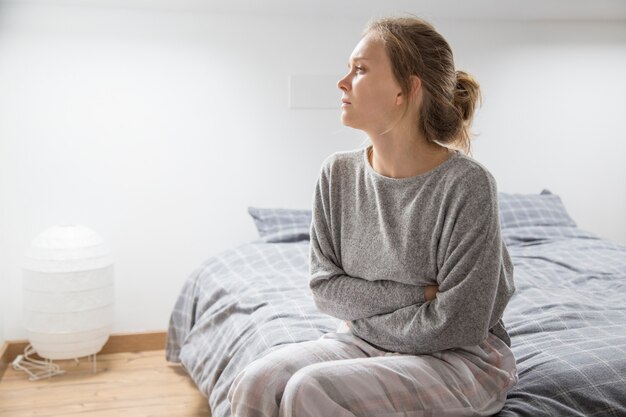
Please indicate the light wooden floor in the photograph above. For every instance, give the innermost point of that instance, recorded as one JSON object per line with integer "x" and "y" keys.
{"x": 139, "y": 384}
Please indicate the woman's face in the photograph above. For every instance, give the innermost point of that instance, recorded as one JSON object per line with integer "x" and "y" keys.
{"x": 371, "y": 95}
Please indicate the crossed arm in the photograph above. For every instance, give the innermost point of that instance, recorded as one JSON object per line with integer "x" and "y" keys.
{"x": 351, "y": 298}
{"x": 430, "y": 293}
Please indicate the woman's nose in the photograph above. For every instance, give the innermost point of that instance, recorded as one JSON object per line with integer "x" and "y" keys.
{"x": 343, "y": 84}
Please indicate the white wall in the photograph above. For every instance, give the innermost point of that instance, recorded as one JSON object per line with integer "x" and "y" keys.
{"x": 3, "y": 279}
{"x": 2, "y": 307}
{"x": 158, "y": 129}
{"x": 2, "y": 338}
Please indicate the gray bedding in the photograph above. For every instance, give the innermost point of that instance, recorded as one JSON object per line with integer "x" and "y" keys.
{"x": 567, "y": 320}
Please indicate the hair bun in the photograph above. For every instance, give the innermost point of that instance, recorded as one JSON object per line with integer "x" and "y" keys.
{"x": 466, "y": 94}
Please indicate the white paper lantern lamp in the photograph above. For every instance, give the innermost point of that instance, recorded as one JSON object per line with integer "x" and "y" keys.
{"x": 68, "y": 283}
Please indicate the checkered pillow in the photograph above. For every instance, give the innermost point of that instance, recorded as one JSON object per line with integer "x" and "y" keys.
{"x": 281, "y": 225}
{"x": 544, "y": 209}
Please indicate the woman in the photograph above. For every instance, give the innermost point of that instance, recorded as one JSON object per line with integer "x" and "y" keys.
{"x": 405, "y": 250}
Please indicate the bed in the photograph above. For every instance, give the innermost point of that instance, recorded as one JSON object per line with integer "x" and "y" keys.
{"x": 567, "y": 319}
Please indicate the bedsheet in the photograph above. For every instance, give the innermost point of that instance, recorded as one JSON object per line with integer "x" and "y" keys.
{"x": 567, "y": 319}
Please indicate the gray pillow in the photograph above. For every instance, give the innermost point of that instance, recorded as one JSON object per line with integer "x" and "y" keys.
{"x": 544, "y": 209}
{"x": 277, "y": 225}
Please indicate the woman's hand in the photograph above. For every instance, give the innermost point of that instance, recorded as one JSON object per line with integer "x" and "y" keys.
{"x": 344, "y": 327}
{"x": 430, "y": 292}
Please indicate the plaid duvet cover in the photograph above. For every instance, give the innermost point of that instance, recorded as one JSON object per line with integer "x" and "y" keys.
{"x": 567, "y": 319}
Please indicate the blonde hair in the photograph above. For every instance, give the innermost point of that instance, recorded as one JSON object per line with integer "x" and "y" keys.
{"x": 449, "y": 96}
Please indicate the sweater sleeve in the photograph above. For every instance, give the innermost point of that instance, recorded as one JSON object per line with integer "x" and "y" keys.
{"x": 336, "y": 293}
{"x": 475, "y": 283}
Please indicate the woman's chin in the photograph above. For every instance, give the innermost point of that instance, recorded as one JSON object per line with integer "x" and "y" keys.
{"x": 346, "y": 121}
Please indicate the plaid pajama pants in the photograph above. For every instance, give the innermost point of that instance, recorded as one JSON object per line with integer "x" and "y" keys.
{"x": 341, "y": 375}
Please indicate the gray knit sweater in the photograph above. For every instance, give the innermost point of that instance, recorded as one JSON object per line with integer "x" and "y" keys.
{"x": 376, "y": 241}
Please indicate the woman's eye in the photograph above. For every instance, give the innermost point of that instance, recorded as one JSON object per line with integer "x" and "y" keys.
{"x": 358, "y": 69}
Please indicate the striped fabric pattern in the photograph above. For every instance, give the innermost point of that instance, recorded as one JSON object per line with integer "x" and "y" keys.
{"x": 567, "y": 319}
{"x": 362, "y": 380}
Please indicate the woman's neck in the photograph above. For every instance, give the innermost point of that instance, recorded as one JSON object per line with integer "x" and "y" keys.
{"x": 401, "y": 158}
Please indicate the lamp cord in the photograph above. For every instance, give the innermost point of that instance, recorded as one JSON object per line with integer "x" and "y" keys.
{"x": 35, "y": 368}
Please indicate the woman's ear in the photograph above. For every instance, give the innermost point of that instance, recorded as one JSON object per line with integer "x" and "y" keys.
{"x": 415, "y": 93}
{"x": 416, "y": 86}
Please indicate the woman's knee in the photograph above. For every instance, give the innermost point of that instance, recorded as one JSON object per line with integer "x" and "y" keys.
{"x": 266, "y": 376}
{"x": 308, "y": 394}
{"x": 256, "y": 390}
{"x": 262, "y": 382}
{"x": 295, "y": 395}
{"x": 259, "y": 373}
